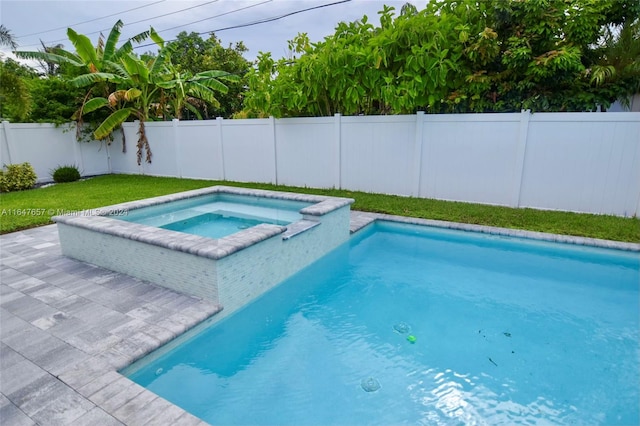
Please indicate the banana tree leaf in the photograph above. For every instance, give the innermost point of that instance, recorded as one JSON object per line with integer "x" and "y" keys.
{"x": 90, "y": 78}
{"x": 211, "y": 83}
{"x": 111, "y": 122}
{"x": 48, "y": 57}
{"x": 218, "y": 74}
{"x": 118, "y": 69}
{"x": 156, "y": 37}
{"x": 140, "y": 37}
{"x": 83, "y": 46}
{"x": 132, "y": 94}
{"x": 200, "y": 91}
{"x": 114, "y": 36}
{"x": 94, "y": 104}
{"x": 194, "y": 110}
{"x": 160, "y": 62}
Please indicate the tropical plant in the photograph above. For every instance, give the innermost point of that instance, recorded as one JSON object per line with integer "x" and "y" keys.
{"x": 144, "y": 89}
{"x": 458, "y": 56}
{"x": 128, "y": 86}
{"x": 192, "y": 55}
{"x": 17, "y": 177}
{"x": 6, "y": 38}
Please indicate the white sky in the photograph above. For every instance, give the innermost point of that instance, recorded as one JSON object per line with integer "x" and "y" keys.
{"x": 31, "y": 21}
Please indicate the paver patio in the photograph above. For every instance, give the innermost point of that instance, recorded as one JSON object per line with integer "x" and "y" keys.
{"x": 66, "y": 327}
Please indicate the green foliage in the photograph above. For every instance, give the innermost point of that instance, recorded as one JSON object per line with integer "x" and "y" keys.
{"x": 193, "y": 55}
{"x": 54, "y": 100}
{"x": 119, "y": 85}
{"x": 64, "y": 174}
{"x": 458, "y": 56}
{"x": 15, "y": 99}
{"x": 17, "y": 177}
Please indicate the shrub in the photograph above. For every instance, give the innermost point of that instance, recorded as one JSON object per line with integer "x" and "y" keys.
{"x": 17, "y": 177}
{"x": 65, "y": 174}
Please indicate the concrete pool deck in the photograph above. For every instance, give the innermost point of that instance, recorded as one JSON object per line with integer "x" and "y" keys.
{"x": 66, "y": 327}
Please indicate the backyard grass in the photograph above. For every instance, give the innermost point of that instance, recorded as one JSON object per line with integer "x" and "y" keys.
{"x": 28, "y": 209}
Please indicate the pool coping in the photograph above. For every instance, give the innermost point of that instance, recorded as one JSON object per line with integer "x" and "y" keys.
{"x": 361, "y": 220}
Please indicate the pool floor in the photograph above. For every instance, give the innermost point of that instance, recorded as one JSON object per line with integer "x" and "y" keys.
{"x": 407, "y": 325}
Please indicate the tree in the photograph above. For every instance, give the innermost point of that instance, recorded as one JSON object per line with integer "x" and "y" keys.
{"x": 129, "y": 86}
{"x": 6, "y": 38}
{"x": 457, "y": 56}
{"x": 192, "y": 55}
{"x": 15, "y": 99}
{"x": 144, "y": 89}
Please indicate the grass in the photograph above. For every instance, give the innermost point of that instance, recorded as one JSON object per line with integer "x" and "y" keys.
{"x": 27, "y": 209}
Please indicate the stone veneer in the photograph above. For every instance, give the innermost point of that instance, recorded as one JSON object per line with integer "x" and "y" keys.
{"x": 230, "y": 271}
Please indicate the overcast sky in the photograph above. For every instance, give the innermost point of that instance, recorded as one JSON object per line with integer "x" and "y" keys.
{"x": 47, "y": 20}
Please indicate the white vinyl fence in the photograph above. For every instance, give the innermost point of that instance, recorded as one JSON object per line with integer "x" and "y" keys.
{"x": 585, "y": 162}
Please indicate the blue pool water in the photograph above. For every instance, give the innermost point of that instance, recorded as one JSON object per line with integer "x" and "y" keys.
{"x": 217, "y": 215}
{"x": 505, "y": 331}
{"x": 216, "y": 225}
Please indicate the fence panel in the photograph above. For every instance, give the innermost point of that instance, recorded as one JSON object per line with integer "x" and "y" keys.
{"x": 306, "y": 152}
{"x": 125, "y": 162}
{"x": 377, "y": 153}
{"x": 200, "y": 150}
{"x": 469, "y": 157}
{"x": 583, "y": 162}
{"x": 249, "y": 150}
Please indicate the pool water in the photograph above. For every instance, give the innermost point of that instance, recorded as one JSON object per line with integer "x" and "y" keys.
{"x": 218, "y": 215}
{"x": 216, "y": 225}
{"x": 408, "y": 324}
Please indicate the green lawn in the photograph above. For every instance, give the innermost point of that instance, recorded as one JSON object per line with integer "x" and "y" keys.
{"x": 27, "y": 209}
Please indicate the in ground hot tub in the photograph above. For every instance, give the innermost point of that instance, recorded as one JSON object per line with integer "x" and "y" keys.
{"x": 217, "y": 215}
{"x": 225, "y": 244}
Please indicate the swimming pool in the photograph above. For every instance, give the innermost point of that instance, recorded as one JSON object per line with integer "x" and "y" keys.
{"x": 408, "y": 324}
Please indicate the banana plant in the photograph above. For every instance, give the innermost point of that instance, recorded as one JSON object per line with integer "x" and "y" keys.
{"x": 136, "y": 84}
{"x": 142, "y": 87}
{"x": 184, "y": 89}
{"x": 87, "y": 58}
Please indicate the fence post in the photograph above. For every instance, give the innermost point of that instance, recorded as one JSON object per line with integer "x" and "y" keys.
{"x": 77, "y": 151}
{"x": 108, "y": 151}
{"x": 272, "y": 131}
{"x": 176, "y": 146}
{"x": 337, "y": 136}
{"x": 521, "y": 149}
{"x": 221, "y": 147}
{"x": 417, "y": 155}
{"x": 7, "y": 139}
